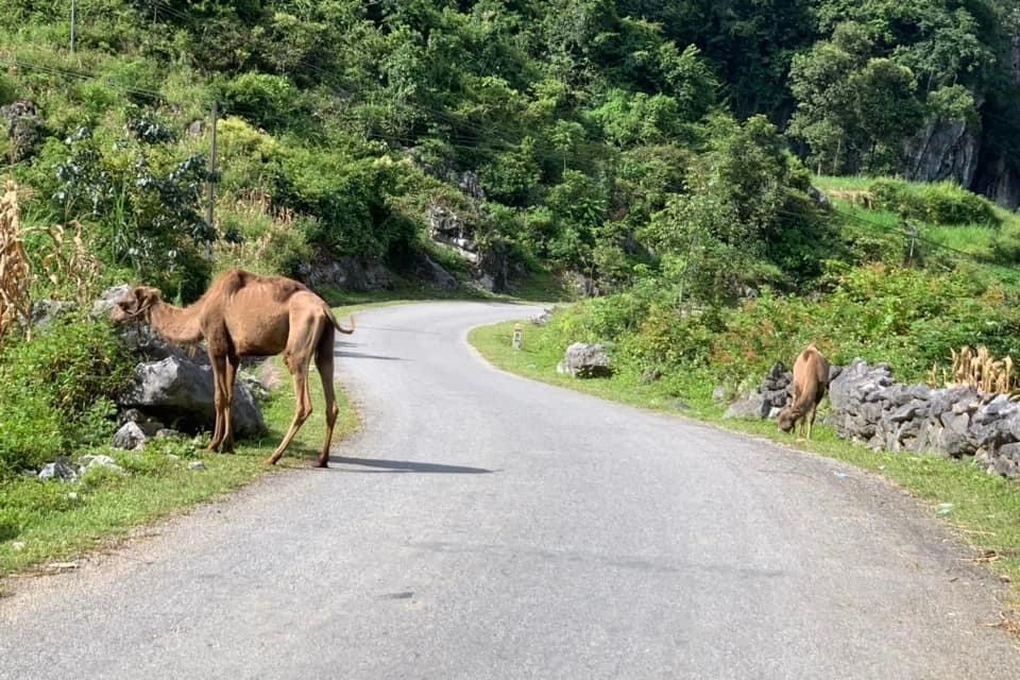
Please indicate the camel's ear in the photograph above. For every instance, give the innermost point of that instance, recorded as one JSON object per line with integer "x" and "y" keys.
{"x": 145, "y": 298}
{"x": 136, "y": 302}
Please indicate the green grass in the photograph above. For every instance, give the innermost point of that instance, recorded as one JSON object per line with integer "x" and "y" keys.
{"x": 973, "y": 241}
{"x": 40, "y": 523}
{"x": 847, "y": 183}
{"x": 985, "y": 510}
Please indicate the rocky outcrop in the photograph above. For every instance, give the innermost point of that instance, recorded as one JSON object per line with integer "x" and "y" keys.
{"x": 580, "y": 285}
{"x": 998, "y": 180}
{"x": 181, "y": 392}
{"x": 490, "y": 266}
{"x": 943, "y": 150}
{"x": 586, "y": 361}
{"x": 492, "y": 270}
{"x": 868, "y": 406}
{"x": 24, "y": 128}
{"x": 432, "y": 273}
{"x": 45, "y": 312}
{"x": 768, "y": 399}
{"x": 448, "y": 227}
{"x": 345, "y": 273}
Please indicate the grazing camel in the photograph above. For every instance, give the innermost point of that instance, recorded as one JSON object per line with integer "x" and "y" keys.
{"x": 243, "y": 314}
{"x": 810, "y": 380}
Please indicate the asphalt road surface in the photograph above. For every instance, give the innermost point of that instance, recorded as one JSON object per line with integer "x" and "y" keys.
{"x": 484, "y": 526}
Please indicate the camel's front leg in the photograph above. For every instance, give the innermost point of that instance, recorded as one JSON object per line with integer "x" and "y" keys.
{"x": 219, "y": 396}
{"x": 227, "y": 443}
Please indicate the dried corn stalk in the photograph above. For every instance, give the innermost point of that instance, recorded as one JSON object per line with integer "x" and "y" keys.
{"x": 71, "y": 261}
{"x": 977, "y": 369}
{"x": 15, "y": 270}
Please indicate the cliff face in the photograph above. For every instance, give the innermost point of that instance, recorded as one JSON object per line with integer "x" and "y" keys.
{"x": 950, "y": 149}
{"x": 943, "y": 150}
{"x": 998, "y": 180}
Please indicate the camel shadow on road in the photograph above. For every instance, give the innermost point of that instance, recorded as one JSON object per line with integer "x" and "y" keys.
{"x": 404, "y": 466}
{"x": 341, "y": 353}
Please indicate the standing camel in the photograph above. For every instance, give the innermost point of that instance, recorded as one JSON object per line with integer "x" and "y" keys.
{"x": 243, "y": 314}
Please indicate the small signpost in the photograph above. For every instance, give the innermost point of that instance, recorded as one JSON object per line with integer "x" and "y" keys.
{"x": 518, "y": 336}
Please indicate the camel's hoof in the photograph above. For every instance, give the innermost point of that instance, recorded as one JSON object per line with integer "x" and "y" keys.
{"x": 269, "y": 461}
{"x": 322, "y": 465}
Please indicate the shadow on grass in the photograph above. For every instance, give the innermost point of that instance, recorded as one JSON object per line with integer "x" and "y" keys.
{"x": 264, "y": 445}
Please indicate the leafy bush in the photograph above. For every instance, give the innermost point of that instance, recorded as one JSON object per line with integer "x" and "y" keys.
{"x": 350, "y": 199}
{"x": 263, "y": 243}
{"x": 140, "y": 202}
{"x": 267, "y": 100}
{"x": 937, "y": 203}
{"x": 907, "y": 317}
{"x": 56, "y": 392}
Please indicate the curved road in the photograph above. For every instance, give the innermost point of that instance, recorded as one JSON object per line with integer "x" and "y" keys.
{"x": 484, "y": 526}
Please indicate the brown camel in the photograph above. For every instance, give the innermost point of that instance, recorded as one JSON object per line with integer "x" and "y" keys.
{"x": 810, "y": 381}
{"x": 243, "y": 314}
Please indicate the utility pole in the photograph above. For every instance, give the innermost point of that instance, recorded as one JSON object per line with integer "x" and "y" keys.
{"x": 911, "y": 231}
{"x": 212, "y": 168}
{"x": 74, "y": 22}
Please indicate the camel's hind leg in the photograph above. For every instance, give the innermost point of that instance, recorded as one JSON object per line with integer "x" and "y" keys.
{"x": 811, "y": 422}
{"x": 324, "y": 363}
{"x": 297, "y": 358}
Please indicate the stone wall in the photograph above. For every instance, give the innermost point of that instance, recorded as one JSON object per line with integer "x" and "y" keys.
{"x": 868, "y": 406}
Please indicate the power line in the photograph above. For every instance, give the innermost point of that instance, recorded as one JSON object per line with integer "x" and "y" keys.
{"x": 975, "y": 259}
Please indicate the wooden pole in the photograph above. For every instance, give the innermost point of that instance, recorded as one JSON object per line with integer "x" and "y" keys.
{"x": 74, "y": 22}
{"x": 212, "y": 169}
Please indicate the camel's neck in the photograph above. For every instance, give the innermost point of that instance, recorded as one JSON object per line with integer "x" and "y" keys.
{"x": 177, "y": 325}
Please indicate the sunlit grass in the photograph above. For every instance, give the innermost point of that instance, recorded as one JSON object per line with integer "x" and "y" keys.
{"x": 845, "y": 183}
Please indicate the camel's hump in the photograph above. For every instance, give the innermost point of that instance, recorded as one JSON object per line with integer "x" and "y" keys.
{"x": 236, "y": 279}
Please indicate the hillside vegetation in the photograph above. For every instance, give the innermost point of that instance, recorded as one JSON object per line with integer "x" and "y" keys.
{"x": 661, "y": 152}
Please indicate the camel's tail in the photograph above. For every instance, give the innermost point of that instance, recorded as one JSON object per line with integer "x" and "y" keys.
{"x": 340, "y": 328}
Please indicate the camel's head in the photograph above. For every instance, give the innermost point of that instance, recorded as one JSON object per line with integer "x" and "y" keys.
{"x": 135, "y": 304}
{"x": 788, "y": 418}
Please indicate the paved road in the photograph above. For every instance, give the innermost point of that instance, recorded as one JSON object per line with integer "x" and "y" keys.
{"x": 483, "y": 526}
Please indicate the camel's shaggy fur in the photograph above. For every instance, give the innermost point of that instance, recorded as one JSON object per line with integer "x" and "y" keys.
{"x": 810, "y": 381}
{"x": 243, "y": 314}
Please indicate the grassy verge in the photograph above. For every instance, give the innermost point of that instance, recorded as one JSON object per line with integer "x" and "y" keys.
{"x": 44, "y": 524}
{"x": 984, "y": 510}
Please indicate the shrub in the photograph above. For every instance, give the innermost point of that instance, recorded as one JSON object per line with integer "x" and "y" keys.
{"x": 56, "y": 392}
{"x": 140, "y": 203}
{"x": 261, "y": 242}
{"x": 936, "y": 203}
{"x": 267, "y": 100}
